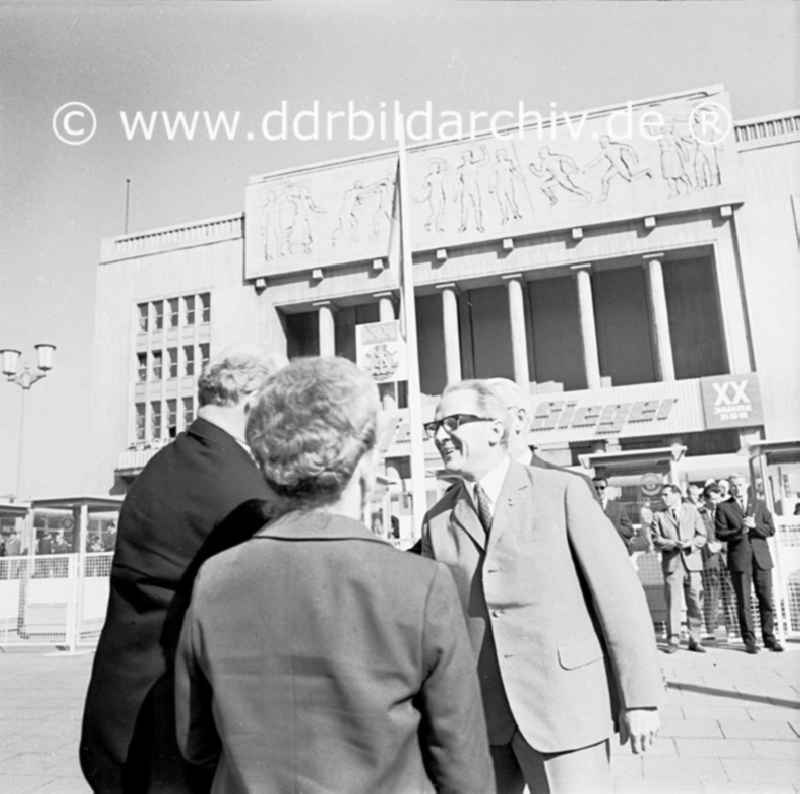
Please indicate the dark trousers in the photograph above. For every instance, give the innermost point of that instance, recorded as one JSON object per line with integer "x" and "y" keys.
{"x": 154, "y": 764}
{"x": 762, "y": 579}
{"x": 712, "y": 589}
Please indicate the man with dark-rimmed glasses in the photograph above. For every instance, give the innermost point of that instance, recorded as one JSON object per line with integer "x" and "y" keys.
{"x": 553, "y": 606}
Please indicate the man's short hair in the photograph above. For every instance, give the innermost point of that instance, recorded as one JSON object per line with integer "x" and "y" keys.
{"x": 712, "y": 487}
{"x": 311, "y": 424}
{"x": 671, "y": 487}
{"x": 600, "y": 479}
{"x": 487, "y": 400}
{"x": 234, "y": 373}
{"x": 509, "y": 392}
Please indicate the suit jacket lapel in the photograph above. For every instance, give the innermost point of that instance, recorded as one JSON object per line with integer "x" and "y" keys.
{"x": 465, "y": 517}
{"x": 511, "y": 499}
{"x": 670, "y": 526}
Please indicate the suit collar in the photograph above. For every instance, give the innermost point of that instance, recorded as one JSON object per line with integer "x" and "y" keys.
{"x": 516, "y": 483}
{"x": 316, "y": 525}
{"x": 465, "y": 517}
{"x": 208, "y": 431}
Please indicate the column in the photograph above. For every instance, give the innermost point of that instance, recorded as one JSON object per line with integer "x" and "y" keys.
{"x": 732, "y": 299}
{"x": 519, "y": 339}
{"x": 659, "y": 317}
{"x": 385, "y": 307}
{"x": 387, "y": 391}
{"x": 452, "y": 343}
{"x": 591, "y": 362}
{"x": 327, "y": 330}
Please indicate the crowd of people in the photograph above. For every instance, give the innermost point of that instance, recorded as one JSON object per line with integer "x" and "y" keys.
{"x": 714, "y": 552}
{"x": 259, "y": 637}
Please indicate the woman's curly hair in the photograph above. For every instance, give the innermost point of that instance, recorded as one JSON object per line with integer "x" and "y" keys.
{"x": 309, "y": 427}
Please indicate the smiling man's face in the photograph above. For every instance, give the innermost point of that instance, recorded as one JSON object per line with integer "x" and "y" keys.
{"x": 471, "y": 449}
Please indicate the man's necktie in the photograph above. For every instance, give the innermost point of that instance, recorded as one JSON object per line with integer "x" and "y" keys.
{"x": 484, "y": 511}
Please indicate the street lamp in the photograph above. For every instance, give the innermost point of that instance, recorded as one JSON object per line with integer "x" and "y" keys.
{"x": 25, "y": 378}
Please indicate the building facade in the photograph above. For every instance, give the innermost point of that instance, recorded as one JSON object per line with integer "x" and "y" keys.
{"x": 640, "y": 282}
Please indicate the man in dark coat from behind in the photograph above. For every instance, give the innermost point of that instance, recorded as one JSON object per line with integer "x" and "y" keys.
{"x": 128, "y": 738}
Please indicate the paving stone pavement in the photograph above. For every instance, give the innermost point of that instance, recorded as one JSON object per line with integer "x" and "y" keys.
{"x": 730, "y": 725}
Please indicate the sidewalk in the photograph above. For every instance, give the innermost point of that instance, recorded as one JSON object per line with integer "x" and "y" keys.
{"x": 731, "y": 724}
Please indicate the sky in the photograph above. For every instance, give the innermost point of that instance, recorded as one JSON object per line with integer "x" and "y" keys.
{"x": 57, "y": 201}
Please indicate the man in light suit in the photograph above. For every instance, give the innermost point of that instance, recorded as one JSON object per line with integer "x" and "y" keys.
{"x": 553, "y": 607}
{"x": 679, "y": 533}
{"x": 745, "y": 523}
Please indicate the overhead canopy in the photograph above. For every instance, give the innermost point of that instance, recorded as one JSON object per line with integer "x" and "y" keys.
{"x": 14, "y": 509}
{"x": 634, "y": 461}
{"x": 778, "y": 452}
{"x": 95, "y": 504}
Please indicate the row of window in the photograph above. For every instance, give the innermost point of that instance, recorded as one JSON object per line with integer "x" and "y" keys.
{"x": 183, "y": 311}
{"x": 179, "y": 362}
{"x": 164, "y": 418}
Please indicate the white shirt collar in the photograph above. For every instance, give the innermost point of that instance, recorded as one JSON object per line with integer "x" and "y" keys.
{"x": 492, "y": 483}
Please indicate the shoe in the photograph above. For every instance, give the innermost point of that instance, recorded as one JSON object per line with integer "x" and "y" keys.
{"x": 751, "y": 647}
{"x": 773, "y": 645}
{"x": 696, "y": 647}
{"x": 672, "y": 647}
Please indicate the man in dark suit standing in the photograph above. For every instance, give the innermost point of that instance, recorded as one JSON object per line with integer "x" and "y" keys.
{"x": 745, "y": 523}
{"x": 615, "y": 511}
{"x": 679, "y": 534}
{"x": 554, "y": 609}
{"x": 713, "y": 559}
{"x": 128, "y": 740}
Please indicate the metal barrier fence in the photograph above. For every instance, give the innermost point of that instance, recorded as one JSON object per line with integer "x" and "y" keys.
{"x": 49, "y": 600}
{"x": 785, "y": 549}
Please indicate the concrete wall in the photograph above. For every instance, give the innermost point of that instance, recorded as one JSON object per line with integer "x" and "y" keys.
{"x": 767, "y": 230}
{"x": 237, "y": 314}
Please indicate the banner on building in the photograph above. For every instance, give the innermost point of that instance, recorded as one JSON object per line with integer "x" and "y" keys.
{"x": 732, "y": 401}
{"x": 381, "y": 351}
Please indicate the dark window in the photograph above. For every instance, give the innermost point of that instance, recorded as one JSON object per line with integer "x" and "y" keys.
{"x": 205, "y": 303}
{"x": 188, "y": 360}
{"x": 188, "y": 310}
{"x": 622, "y": 320}
{"x": 302, "y": 334}
{"x": 556, "y": 353}
{"x": 141, "y": 421}
{"x": 158, "y": 315}
{"x": 155, "y": 421}
{"x": 141, "y": 367}
{"x": 173, "y": 312}
{"x": 172, "y": 359}
{"x": 143, "y": 309}
{"x": 156, "y": 364}
{"x": 345, "y": 320}
{"x": 695, "y": 323}
{"x": 172, "y": 418}
{"x": 188, "y": 411}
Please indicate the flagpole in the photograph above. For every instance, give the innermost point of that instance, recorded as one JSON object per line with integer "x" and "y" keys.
{"x": 409, "y": 315}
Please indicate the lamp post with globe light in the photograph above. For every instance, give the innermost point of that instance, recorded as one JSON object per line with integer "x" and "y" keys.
{"x": 25, "y": 378}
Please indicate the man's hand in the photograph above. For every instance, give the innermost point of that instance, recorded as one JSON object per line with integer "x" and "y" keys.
{"x": 640, "y": 726}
